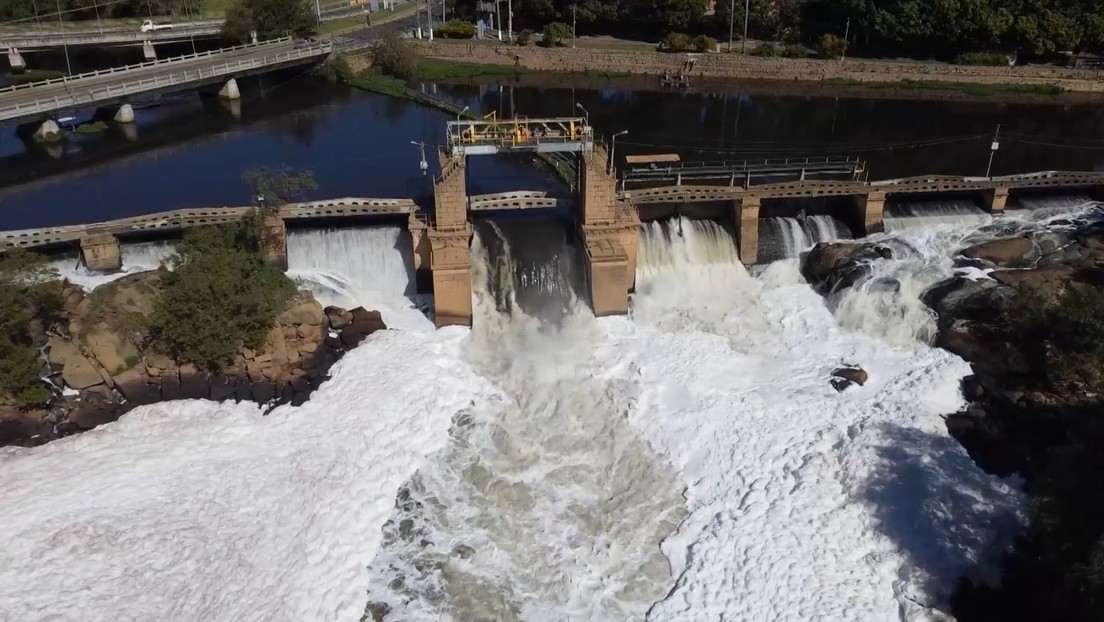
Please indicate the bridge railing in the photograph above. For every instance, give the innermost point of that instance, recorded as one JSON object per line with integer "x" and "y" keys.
{"x": 30, "y": 40}
{"x": 152, "y": 63}
{"x": 91, "y": 96}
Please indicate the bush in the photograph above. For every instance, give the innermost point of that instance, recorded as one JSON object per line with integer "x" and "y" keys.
{"x": 555, "y": 34}
{"x": 270, "y": 18}
{"x": 456, "y": 29}
{"x": 795, "y": 51}
{"x": 220, "y": 296}
{"x": 702, "y": 43}
{"x": 831, "y": 46}
{"x": 524, "y": 37}
{"x": 29, "y": 290}
{"x": 394, "y": 57}
{"x": 765, "y": 50}
{"x": 986, "y": 59}
{"x": 1069, "y": 334}
{"x": 336, "y": 69}
{"x": 675, "y": 42}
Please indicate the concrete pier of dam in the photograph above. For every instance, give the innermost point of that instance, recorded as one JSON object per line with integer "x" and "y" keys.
{"x": 607, "y": 221}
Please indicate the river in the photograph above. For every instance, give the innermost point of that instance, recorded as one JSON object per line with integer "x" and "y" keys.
{"x": 185, "y": 151}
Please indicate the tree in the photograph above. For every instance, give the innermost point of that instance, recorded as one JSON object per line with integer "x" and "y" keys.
{"x": 279, "y": 186}
{"x": 830, "y": 46}
{"x": 270, "y": 19}
{"x": 394, "y": 57}
{"x": 28, "y": 289}
{"x": 219, "y": 296}
{"x": 678, "y": 15}
{"x": 555, "y": 34}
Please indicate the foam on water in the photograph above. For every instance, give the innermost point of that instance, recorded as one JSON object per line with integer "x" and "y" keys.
{"x": 359, "y": 266}
{"x": 546, "y": 505}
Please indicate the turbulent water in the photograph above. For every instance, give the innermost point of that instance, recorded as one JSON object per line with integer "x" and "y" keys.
{"x": 137, "y": 257}
{"x": 922, "y": 214}
{"x": 547, "y": 505}
{"x": 781, "y": 238}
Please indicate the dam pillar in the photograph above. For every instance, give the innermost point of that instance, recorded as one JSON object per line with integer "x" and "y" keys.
{"x": 273, "y": 238}
{"x": 871, "y": 211}
{"x": 995, "y": 199}
{"x": 609, "y": 229}
{"x": 746, "y": 215}
{"x": 101, "y": 251}
{"x": 125, "y": 114}
{"x": 15, "y": 60}
{"x": 148, "y": 51}
{"x": 230, "y": 90}
{"x": 449, "y": 250}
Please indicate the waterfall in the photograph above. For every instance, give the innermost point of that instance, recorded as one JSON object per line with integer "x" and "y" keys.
{"x": 371, "y": 267}
{"x": 780, "y": 238}
{"x": 137, "y": 257}
{"x": 547, "y": 505}
{"x": 923, "y": 214}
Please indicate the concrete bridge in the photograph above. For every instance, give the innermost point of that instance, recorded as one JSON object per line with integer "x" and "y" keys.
{"x": 41, "y": 101}
{"x": 29, "y": 40}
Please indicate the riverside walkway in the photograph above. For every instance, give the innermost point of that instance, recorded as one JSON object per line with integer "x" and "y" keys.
{"x": 41, "y": 100}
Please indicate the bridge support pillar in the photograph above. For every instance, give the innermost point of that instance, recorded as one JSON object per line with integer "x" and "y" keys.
{"x": 125, "y": 114}
{"x": 15, "y": 59}
{"x": 609, "y": 231}
{"x": 746, "y": 216}
{"x": 230, "y": 90}
{"x": 48, "y": 132}
{"x": 609, "y": 276}
{"x": 101, "y": 251}
{"x": 148, "y": 50}
{"x": 449, "y": 238}
{"x": 273, "y": 238}
{"x": 871, "y": 211}
{"x": 995, "y": 199}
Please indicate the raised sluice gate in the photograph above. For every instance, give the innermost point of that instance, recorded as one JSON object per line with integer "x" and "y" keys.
{"x": 531, "y": 265}
{"x": 781, "y": 238}
{"x": 920, "y": 214}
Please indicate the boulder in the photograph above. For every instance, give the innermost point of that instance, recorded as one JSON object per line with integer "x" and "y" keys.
{"x": 114, "y": 351}
{"x": 337, "y": 317}
{"x": 304, "y": 311}
{"x": 275, "y": 347}
{"x": 362, "y": 324}
{"x": 58, "y": 350}
{"x": 856, "y": 375}
{"x": 962, "y": 297}
{"x": 136, "y": 389}
{"x": 1050, "y": 281}
{"x": 832, "y": 266}
{"x": 22, "y": 427}
{"x": 1009, "y": 252}
{"x": 79, "y": 373}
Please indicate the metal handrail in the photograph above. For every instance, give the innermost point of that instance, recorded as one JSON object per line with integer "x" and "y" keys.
{"x": 142, "y": 85}
{"x": 152, "y": 63}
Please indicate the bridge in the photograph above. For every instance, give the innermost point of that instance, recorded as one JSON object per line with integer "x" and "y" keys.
{"x": 29, "y": 40}
{"x": 40, "y": 101}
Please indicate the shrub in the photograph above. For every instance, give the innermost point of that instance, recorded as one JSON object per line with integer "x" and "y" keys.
{"x": 702, "y": 43}
{"x": 219, "y": 296}
{"x": 555, "y": 34}
{"x": 795, "y": 51}
{"x": 29, "y": 289}
{"x": 336, "y": 69}
{"x": 1069, "y": 332}
{"x": 394, "y": 57}
{"x": 524, "y": 37}
{"x": 765, "y": 50}
{"x": 455, "y": 29}
{"x": 831, "y": 46}
{"x": 675, "y": 42}
{"x": 986, "y": 59}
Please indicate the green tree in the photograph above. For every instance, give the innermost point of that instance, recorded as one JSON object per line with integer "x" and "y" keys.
{"x": 279, "y": 185}
{"x": 29, "y": 290}
{"x": 219, "y": 296}
{"x": 555, "y": 34}
{"x": 270, "y": 19}
{"x": 394, "y": 57}
{"x": 830, "y": 46}
{"x": 678, "y": 15}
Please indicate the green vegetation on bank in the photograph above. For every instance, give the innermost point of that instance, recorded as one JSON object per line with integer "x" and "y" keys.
{"x": 970, "y": 88}
{"x": 29, "y": 293}
{"x": 269, "y": 18}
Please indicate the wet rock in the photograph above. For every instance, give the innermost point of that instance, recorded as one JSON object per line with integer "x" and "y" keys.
{"x": 463, "y": 551}
{"x": 376, "y": 612}
{"x": 832, "y": 266}
{"x": 856, "y": 375}
{"x": 962, "y": 297}
{"x": 22, "y": 426}
{"x": 135, "y": 389}
{"x": 1009, "y": 252}
{"x": 1048, "y": 282}
{"x": 362, "y": 324}
{"x": 79, "y": 373}
{"x": 338, "y": 318}
{"x": 306, "y": 311}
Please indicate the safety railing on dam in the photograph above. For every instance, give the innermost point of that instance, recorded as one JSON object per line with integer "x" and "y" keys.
{"x": 75, "y": 94}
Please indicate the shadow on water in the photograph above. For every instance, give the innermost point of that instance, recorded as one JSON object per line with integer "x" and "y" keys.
{"x": 943, "y": 513}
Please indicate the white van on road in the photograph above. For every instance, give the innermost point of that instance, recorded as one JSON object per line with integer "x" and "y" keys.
{"x": 149, "y": 26}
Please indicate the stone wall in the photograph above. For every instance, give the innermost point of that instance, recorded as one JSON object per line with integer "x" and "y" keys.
{"x": 737, "y": 66}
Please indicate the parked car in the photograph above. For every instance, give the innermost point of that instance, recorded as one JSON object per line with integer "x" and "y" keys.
{"x": 149, "y": 26}
{"x": 306, "y": 43}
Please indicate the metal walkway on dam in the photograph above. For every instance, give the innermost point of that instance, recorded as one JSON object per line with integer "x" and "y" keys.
{"x": 41, "y": 100}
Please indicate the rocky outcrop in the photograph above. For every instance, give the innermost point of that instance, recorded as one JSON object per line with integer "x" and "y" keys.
{"x": 100, "y": 353}
{"x": 1009, "y": 252}
{"x": 833, "y": 266}
{"x": 844, "y": 377}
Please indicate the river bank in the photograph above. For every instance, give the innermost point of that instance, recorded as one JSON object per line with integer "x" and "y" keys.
{"x": 1032, "y": 79}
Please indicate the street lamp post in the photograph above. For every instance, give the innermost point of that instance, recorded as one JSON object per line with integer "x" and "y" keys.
{"x": 573, "y": 25}
{"x": 585, "y": 113}
{"x": 743, "y": 44}
{"x": 461, "y": 113}
{"x": 423, "y": 165}
{"x": 613, "y": 148}
{"x": 731, "y": 22}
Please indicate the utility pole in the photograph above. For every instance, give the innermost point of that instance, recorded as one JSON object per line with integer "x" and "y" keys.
{"x": 731, "y": 22}
{"x": 510, "y": 20}
{"x": 64, "y": 44}
{"x": 993, "y": 151}
{"x": 35, "y": 5}
{"x": 613, "y": 149}
{"x": 573, "y": 25}
{"x": 318, "y": 12}
{"x": 498, "y": 18}
{"x": 743, "y": 44}
{"x": 423, "y": 165}
{"x": 846, "y": 34}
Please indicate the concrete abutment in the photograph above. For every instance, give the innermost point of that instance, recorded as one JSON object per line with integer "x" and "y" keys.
{"x": 273, "y": 238}
{"x": 870, "y": 212}
{"x": 449, "y": 245}
{"x": 101, "y": 252}
{"x": 994, "y": 200}
{"x": 16, "y": 61}
{"x": 745, "y": 212}
{"x": 230, "y": 90}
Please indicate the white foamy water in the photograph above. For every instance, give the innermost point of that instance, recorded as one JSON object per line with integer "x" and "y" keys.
{"x": 530, "y": 472}
{"x": 781, "y": 238}
{"x": 547, "y": 505}
{"x": 362, "y": 266}
{"x": 138, "y": 257}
